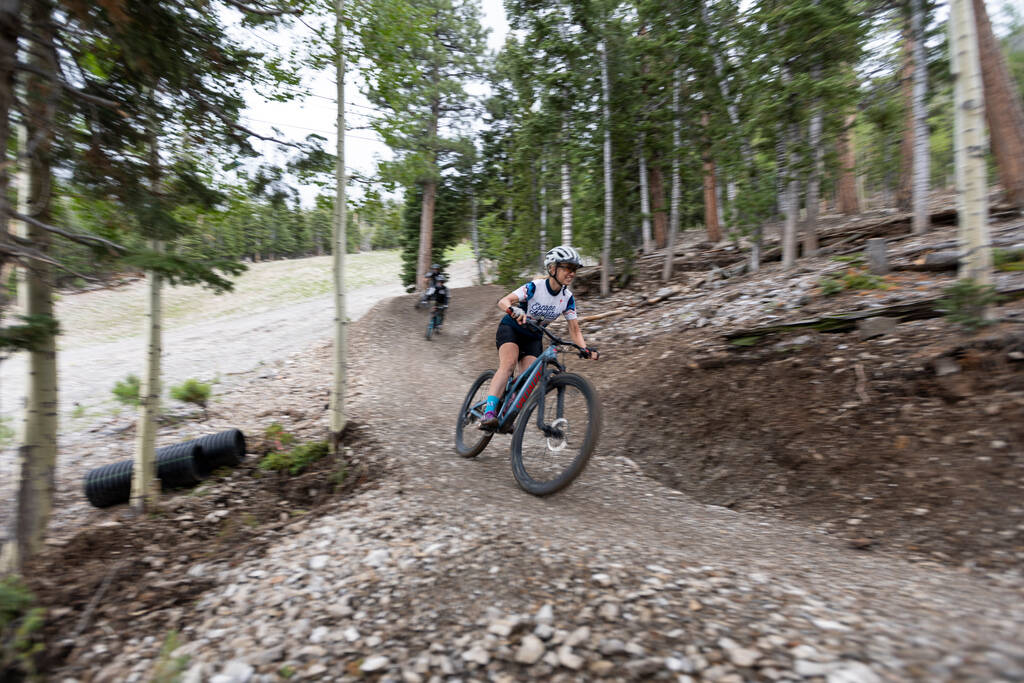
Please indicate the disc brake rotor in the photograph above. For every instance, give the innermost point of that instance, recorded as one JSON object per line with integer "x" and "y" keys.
{"x": 563, "y": 425}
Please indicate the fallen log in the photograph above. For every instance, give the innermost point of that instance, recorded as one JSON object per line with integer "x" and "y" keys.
{"x": 921, "y": 309}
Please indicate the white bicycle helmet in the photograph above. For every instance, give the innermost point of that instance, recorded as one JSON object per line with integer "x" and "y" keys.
{"x": 562, "y": 254}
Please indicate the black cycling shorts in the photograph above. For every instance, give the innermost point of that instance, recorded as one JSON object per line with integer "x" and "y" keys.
{"x": 528, "y": 344}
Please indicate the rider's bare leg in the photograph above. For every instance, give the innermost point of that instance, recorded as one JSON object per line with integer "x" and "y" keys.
{"x": 507, "y": 355}
{"x": 525, "y": 363}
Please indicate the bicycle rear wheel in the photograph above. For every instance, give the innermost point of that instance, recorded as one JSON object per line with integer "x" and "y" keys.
{"x": 469, "y": 438}
{"x": 545, "y": 463}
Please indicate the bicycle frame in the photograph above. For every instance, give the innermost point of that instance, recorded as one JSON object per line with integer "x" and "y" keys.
{"x": 519, "y": 389}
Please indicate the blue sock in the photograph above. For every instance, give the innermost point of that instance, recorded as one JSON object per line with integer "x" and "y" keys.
{"x": 492, "y": 404}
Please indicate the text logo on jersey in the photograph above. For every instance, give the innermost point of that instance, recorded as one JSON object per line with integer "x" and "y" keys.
{"x": 547, "y": 313}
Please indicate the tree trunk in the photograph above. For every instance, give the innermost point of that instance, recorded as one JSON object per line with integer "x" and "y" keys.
{"x": 922, "y": 147}
{"x": 848, "y": 203}
{"x": 790, "y": 201}
{"x": 645, "y": 201}
{"x": 37, "y": 453}
{"x": 1003, "y": 110}
{"x": 426, "y": 230}
{"x": 904, "y": 193}
{"x": 969, "y": 145}
{"x": 658, "y": 213}
{"x": 566, "y": 187}
{"x": 710, "y": 198}
{"x": 10, "y": 27}
{"x": 810, "y": 232}
{"x": 606, "y": 242}
{"x": 426, "y": 255}
{"x": 145, "y": 492}
{"x": 543, "y": 214}
{"x": 677, "y": 124}
{"x": 339, "y": 418}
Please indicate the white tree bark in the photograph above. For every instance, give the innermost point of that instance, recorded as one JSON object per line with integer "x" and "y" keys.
{"x": 476, "y": 242}
{"x": 606, "y": 243}
{"x": 734, "y": 118}
{"x": 790, "y": 201}
{"x": 338, "y": 389}
{"x": 566, "y": 187}
{"x": 814, "y": 178}
{"x": 37, "y": 451}
{"x": 543, "y": 211}
{"x": 922, "y": 149}
{"x": 677, "y": 143}
{"x": 645, "y": 201}
{"x": 970, "y": 144}
{"x": 145, "y": 492}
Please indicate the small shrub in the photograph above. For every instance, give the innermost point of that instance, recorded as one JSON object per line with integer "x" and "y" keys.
{"x": 853, "y": 279}
{"x": 20, "y": 623}
{"x": 1008, "y": 259}
{"x": 6, "y": 433}
{"x": 965, "y": 304}
{"x": 192, "y": 391}
{"x": 296, "y": 460}
{"x": 127, "y": 390}
{"x": 830, "y": 286}
{"x": 169, "y": 669}
{"x": 861, "y": 280}
{"x": 281, "y": 439}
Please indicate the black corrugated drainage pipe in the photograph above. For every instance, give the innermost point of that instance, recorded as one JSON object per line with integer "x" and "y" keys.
{"x": 176, "y": 467}
{"x": 223, "y": 449}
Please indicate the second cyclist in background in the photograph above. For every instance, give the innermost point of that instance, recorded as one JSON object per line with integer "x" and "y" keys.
{"x": 431, "y": 280}
{"x": 440, "y": 299}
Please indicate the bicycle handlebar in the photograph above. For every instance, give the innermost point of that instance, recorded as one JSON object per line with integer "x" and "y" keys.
{"x": 558, "y": 341}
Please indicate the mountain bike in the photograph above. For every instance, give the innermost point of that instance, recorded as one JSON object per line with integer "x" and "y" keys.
{"x": 554, "y": 417}
{"x": 436, "y": 320}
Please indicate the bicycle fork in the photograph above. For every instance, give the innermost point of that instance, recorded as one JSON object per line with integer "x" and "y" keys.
{"x": 557, "y": 429}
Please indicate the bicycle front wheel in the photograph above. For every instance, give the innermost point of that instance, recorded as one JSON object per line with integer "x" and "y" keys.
{"x": 430, "y": 328}
{"x": 469, "y": 438}
{"x": 546, "y": 460}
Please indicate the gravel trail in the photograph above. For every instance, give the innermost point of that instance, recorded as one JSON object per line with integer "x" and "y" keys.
{"x": 447, "y": 571}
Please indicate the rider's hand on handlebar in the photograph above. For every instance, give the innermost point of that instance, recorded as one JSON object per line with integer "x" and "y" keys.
{"x": 518, "y": 314}
{"x": 590, "y": 353}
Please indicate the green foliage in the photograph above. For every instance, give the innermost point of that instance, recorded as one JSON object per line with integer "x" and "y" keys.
{"x": 852, "y": 280}
{"x": 168, "y": 669}
{"x": 1007, "y": 260}
{"x": 276, "y": 434}
{"x": 21, "y": 622}
{"x": 6, "y": 433}
{"x": 966, "y": 302}
{"x": 31, "y": 335}
{"x": 127, "y": 390}
{"x": 451, "y": 211}
{"x": 296, "y": 460}
{"x": 192, "y": 391}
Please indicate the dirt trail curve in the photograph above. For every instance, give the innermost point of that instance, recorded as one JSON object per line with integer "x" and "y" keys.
{"x": 447, "y": 569}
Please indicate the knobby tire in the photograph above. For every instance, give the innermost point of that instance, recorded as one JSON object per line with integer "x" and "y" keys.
{"x": 527, "y": 421}
{"x": 469, "y": 439}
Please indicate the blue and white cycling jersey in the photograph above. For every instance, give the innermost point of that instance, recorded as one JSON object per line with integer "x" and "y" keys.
{"x": 540, "y": 303}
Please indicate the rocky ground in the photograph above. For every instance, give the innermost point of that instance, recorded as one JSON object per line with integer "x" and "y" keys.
{"x": 818, "y": 506}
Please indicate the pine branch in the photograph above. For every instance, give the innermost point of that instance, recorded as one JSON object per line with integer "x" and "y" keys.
{"x": 239, "y": 127}
{"x": 70, "y": 88}
{"x": 248, "y": 9}
{"x": 87, "y": 240}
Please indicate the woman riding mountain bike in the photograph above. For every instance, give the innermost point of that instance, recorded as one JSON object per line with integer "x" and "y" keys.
{"x": 543, "y": 300}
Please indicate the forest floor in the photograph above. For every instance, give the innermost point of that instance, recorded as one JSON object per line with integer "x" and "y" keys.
{"x": 886, "y": 455}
